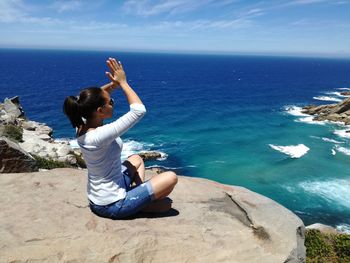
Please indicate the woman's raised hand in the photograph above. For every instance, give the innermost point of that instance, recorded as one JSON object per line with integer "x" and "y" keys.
{"x": 116, "y": 74}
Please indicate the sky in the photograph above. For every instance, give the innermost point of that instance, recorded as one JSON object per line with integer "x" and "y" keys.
{"x": 310, "y": 27}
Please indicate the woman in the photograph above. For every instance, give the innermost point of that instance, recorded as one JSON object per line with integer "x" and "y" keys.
{"x": 110, "y": 186}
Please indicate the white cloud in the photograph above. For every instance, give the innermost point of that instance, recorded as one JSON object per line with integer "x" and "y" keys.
{"x": 11, "y": 10}
{"x": 63, "y": 6}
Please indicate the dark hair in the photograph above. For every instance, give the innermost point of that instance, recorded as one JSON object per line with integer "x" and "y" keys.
{"x": 83, "y": 106}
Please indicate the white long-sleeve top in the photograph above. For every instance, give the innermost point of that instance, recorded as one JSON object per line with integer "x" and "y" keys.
{"x": 101, "y": 149}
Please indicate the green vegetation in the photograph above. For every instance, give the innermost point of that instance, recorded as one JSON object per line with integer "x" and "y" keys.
{"x": 49, "y": 164}
{"x": 327, "y": 248}
{"x": 12, "y": 132}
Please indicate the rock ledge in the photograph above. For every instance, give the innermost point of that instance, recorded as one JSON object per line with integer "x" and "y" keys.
{"x": 45, "y": 217}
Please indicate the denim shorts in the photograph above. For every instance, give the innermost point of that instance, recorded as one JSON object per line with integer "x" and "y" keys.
{"x": 137, "y": 197}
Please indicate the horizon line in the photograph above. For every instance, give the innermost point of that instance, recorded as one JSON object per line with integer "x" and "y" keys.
{"x": 189, "y": 52}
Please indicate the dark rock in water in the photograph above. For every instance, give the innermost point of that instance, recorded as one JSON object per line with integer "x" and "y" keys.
{"x": 345, "y": 93}
{"x": 339, "y": 112}
{"x": 150, "y": 156}
{"x": 13, "y": 159}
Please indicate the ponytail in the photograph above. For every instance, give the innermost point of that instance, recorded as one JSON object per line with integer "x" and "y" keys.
{"x": 71, "y": 109}
{"x": 89, "y": 100}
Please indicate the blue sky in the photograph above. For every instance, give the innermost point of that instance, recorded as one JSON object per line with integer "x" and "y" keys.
{"x": 223, "y": 26}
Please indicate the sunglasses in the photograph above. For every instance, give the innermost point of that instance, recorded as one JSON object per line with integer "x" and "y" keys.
{"x": 111, "y": 102}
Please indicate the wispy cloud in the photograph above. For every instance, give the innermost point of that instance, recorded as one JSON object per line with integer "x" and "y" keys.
{"x": 16, "y": 11}
{"x": 202, "y": 24}
{"x": 63, "y": 6}
{"x": 307, "y": 2}
{"x": 152, "y": 8}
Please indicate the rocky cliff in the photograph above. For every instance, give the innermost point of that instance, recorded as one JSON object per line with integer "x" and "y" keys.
{"x": 339, "y": 112}
{"x": 45, "y": 218}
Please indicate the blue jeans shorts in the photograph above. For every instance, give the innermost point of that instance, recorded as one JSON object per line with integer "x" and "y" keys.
{"x": 137, "y": 197}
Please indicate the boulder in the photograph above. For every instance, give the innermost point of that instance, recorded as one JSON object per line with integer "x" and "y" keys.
{"x": 30, "y": 125}
{"x": 208, "y": 222}
{"x": 13, "y": 159}
{"x": 150, "y": 156}
{"x": 12, "y": 109}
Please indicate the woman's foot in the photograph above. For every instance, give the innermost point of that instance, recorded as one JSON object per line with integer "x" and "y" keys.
{"x": 158, "y": 206}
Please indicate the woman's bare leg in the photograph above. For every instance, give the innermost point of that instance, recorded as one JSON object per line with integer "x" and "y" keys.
{"x": 136, "y": 166}
{"x": 163, "y": 184}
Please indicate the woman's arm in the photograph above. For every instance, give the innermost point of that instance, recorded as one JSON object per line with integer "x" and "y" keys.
{"x": 109, "y": 87}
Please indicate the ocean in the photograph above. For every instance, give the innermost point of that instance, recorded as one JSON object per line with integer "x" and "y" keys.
{"x": 233, "y": 119}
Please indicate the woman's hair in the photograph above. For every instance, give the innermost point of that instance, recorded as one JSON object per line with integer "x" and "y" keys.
{"x": 83, "y": 106}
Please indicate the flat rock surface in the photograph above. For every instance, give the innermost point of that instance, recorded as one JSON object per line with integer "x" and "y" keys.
{"x": 45, "y": 218}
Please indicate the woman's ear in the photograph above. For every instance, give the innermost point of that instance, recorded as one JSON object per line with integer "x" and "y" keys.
{"x": 99, "y": 110}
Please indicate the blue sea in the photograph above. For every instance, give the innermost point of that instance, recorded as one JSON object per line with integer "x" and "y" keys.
{"x": 232, "y": 119}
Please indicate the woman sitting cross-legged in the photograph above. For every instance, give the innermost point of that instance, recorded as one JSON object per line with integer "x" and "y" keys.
{"x": 115, "y": 190}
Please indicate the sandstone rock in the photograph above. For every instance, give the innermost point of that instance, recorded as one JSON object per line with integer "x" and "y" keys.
{"x": 63, "y": 150}
{"x": 30, "y": 125}
{"x": 12, "y": 109}
{"x": 43, "y": 129}
{"x": 209, "y": 222}
{"x": 13, "y": 159}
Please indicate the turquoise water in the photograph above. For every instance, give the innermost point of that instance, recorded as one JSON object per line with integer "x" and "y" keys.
{"x": 213, "y": 116}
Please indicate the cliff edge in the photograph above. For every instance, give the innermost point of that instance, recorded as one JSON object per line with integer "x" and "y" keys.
{"x": 45, "y": 217}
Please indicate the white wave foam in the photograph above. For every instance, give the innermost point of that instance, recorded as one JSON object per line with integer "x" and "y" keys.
{"x": 163, "y": 167}
{"x": 310, "y": 120}
{"x": 344, "y": 228}
{"x": 294, "y": 151}
{"x": 131, "y": 147}
{"x": 337, "y": 190}
{"x": 330, "y": 140}
{"x": 334, "y": 152}
{"x": 74, "y": 144}
{"x": 343, "y": 88}
{"x": 342, "y": 133}
{"x": 295, "y": 110}
{"x": 170, "y": 168}
{"x": 327, "y": 98}
{"x": 343, "y": 150}
{"x": 337, "y": 93}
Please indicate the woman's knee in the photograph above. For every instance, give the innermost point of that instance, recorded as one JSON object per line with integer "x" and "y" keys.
{"x": 171, "y": 178}
{"x": 135, "y": 160}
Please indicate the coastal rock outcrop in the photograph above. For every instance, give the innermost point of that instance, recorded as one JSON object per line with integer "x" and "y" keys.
{"x": 150, "y": 156}
{"x": 208, "y": 222}
{"x": 13, "y": 159}
{"x": 36, "y": 138}
{"x": 339, "y": 112}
